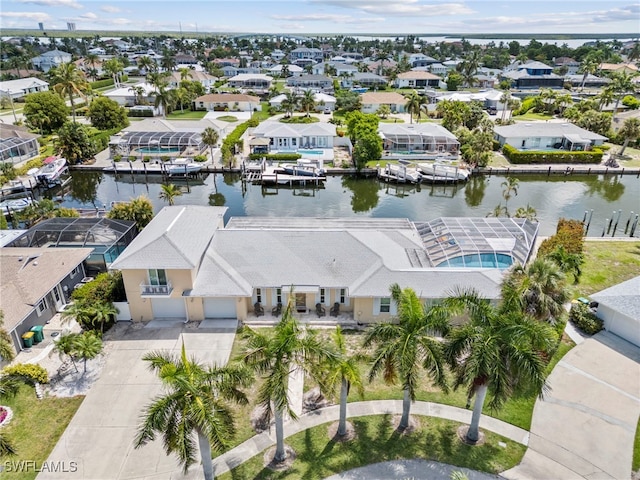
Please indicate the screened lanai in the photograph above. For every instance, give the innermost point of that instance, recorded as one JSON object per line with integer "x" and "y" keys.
{"x": 157, "y": 144}
{"x": 107, "y": 237}
{"x": 465, "y": 242}
{"x": 16, "y": 149}
{"x": 417, "y": 138}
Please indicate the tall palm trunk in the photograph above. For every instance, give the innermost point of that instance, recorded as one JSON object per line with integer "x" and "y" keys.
{"x": 474, "y": 428}
{"x": 280, "y": 455}
{"x": 344, "y": 391}
{"x": 406, "y": 410}
{"x": 624, "y": 146}
{"x": 73, "y": 107}
{"x": 205, "y": 455}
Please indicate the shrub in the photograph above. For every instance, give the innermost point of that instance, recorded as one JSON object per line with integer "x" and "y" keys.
{"x": 105, "y": 288}
{"x": 550, "y": 157}
{"x": 140, "y": 113}
{"x": 569, "y": 234}
{"x": 277, "y": 157}
{"x": 29, "y": 371}
{"x": 200, "y": 158}
{"x": 583, "y": 318}
{"x": 101, "y": 138}
{"x": 146, "y": 158}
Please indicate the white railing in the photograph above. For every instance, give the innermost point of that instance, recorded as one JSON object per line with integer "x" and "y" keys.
{"x": 160, "y": 290}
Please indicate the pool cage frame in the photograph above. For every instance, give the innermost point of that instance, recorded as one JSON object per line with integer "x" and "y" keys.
{"x": 16, "y": 149}
{"x": 477, "y": 242}
{"x": 190, "y": 144}
{"x": 418, "y": 139}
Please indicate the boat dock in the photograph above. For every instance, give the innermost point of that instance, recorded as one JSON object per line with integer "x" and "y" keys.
{"x": 264, "y": 173}
{"x": 147, "y": 168}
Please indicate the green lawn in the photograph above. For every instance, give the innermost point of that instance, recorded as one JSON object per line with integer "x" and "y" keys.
{"x": 391, "y": 120}
{"x": 533, "y": 116}
{"x": 36, "y": 426}
{"x": 498, "y": 160}
{"x": 634, "y": 153}
{"x": 300, "y": 119}
{"x": 377, "y": 441}
{"x": 263, "y": 114}
{"x": 635, "y": 466}
{"x": 227, "y": 118}
{"x": 186, "y": 115}
{"x": 606, "y": 264}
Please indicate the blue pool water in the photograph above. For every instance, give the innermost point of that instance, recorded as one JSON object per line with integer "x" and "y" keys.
{"x": 482, "y": 260}
{"x": 159, "y": 150}
{"x": 311, "y": 152}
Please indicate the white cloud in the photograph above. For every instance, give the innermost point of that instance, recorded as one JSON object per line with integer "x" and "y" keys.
{"x": 325, "y": 17}
{"x": 54, "y": 3}
{"x": 31, "y": 16}
{"x": 110, "y": 9}
{"x": 401, "y": 8}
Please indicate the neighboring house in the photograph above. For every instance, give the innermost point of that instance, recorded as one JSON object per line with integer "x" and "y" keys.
{"x": 621, "y": 117}
{"x": 484, "y": 81}
{"x": 291, "y": 137}
{"x": 438, "y": 69}
{"x": 230, "y": 71}
{"x": 51, "y": 59}
{"x": 421, "y": 60}
{"x": 619, "y": 309}
{"x": 569, "y": 64}
{"x": 488, "y": 98}
{"x": 532, "y": 75}
{"x": 369, "y": 80}
{"x": 323, "y": 101}
{"x": 294, "y": 70}
{"x": 342, "y": 69}
{"x": 227, "y": 62}
{"x": 417, "y": 79}
{"x": 96, "y": 51}
{"x": 35, "y": 283}
{"x": 185, "y": 59}
{"x": 17, "y": 143}
{"x": 187, "y": 266}
{"x": 277, "y": 55}
{"x": 591, "y": 81}
{"x": 303, "y": 56}
{"x": 418, "y": 138}
{"x": 251, "y": 81}
{"x": 545, "y": 136}
{"x": 378, "y": 66}
{"x": 203, "y": 78}
{"x": 315, "y": 82}
{"x": 234, "y": 102}
{"x": 21, "y": 87}
{"x": 618, "y": 68}
{"x": 128, "y": 97}
{"x": 372, "y": 101}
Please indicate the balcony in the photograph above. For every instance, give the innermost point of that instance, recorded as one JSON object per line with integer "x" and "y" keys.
{"x": 156, "y": 290}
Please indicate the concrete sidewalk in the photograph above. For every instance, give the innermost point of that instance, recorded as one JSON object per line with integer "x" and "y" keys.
{"x": 257, "y": 444}
{"x": 413, "y": 469}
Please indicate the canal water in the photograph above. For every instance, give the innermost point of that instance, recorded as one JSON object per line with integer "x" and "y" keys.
{"x": 553, "y": 197}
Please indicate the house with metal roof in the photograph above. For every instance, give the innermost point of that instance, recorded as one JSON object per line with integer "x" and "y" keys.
{"x": 547, "y": 136}
{"x": 532, "y": 75}
{"x": 187, "y": 265}
{"x": 294, "y": 136}
{"x": 50, "y": 59}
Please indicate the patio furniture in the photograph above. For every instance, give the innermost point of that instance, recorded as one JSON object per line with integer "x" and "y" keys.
{"x": 277, "y": 310}
{"x": 258, "y": 309}
{"x": 320, "y": 311}
{"x": 335, "y": 310}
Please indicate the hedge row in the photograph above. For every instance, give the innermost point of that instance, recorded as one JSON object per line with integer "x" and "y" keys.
{"x": 234, "y": 138}
{"x": 107, "y": 82}
{"x": 518, "y": 157}
{"x": 277, "y": 157}
{"x": 569, "y": 234}
{"x": 101, "y": 138}
{"x": 140, "y": 113}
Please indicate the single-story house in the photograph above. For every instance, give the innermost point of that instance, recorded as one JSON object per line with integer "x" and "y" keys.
{"x": 422, "y": 138}
{"x": 417, "y": 79}
{"x": 316, "y": 82}
{"x": 379, "y": 66}
{"x": 372, "y": 101}
{"x": 234, "y": 102}
{"x": 17, "y": 143}
{"x": 323, "y": 101}
{"x": 127, "y": 96}
{"x": 619, "y": 309}
{"x": 35, "y": 283}
{"x": 618, "y": 67}
{"x": 438, "y": 69}
{"x": 621, "y": 117}
{"x": 186, "y": 265}
{"x": 294, "y": 136}
{"x": 251, "y": 81}
{"x": 569, "y": 64}
{"x": 547, "y": 136}
{"x": 185, "y": 59}
{"x": 369, "y": 80}
{"x": 294, "y": 70}
{"x": 591, "y": 81}
{"x": 51, "y": 59}
{"x": 21, "y": 87}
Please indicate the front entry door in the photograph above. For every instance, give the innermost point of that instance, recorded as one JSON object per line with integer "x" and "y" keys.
{"x": 58, "y": 298}
{"x": 301, "y": 302}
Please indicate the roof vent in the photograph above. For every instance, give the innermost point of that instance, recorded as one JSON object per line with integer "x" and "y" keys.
{"x": 35, "y": 263}
{"x": 20, "y": 258}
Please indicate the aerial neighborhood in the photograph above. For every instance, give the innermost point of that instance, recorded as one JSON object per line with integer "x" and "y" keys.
{"x": 195, "y": 281}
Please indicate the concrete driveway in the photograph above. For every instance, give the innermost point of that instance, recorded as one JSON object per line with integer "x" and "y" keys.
{"x": 99, "y": 438}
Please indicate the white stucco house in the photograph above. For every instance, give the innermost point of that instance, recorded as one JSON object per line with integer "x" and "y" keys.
{"x": 21, "y": 87}
{"x": 619, "y": 309}
{"x": 51, "y": 59}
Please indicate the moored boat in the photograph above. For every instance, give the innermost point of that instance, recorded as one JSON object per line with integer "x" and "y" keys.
{"x": 183, "y": 166}
{"x": 52, "y": 173}
{"x": 304, "y": 168}
{"x": 400, "y": 173}
{"x": 434, "y": 171}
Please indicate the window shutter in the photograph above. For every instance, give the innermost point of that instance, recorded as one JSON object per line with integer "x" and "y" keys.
{"x": 393, "y": 309}
{"x": 376, "y": 306}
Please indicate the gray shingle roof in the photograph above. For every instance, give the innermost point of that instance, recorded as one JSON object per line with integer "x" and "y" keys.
{"x": 176, "y": 239}
{"x": 623, "y": 298}
{"x": 545, "y": 129}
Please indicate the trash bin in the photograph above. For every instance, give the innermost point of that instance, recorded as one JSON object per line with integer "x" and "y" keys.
{"x": 27, "y": 339}
{"x": 38, "y": 335}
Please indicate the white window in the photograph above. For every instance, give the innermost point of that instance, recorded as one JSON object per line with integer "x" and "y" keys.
{"x": 385, "y": 305}
{"x": 75, "y": 272}
{"x": 157, "y": 277}
{"x": 343, "y": 295}
{"x": 41, "y": 307}
{"x": 259, "y": 295}
{"x": 322, "y": 296}
{"x": 278, "y": 295}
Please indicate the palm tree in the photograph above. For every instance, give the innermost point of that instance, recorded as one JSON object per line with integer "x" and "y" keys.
{"x": 92, "y": 59}
{"x": 567, "y": 262}
{"x": 494, "y": 352}
{"x": 69, "y": 81}
{"x": 147, "y": 64}
{"x": 185, "y": 74}
{"x": 605, "y": 97}
{"x": 589, "y": 66}
{"x": 7, "y": 352}
{"x": 139, "y": 93}
{"x": 290, "y": 103}
{"x": 114, "y": 68}
{"x": 65, "y": 346}
{"x": 87, "y": 346}
{"x": 169, "y": 192}
{"x": 164, "y": 98}
{"x": 509, "y": 189}
{"x": 275, "y": 356}
{"x": 414, "y": 105}
{"x": 307, "y": 101}
{"x": 537, "y": 290}
{"x": 210, "y": 138}
{"x": 630, "y": 131}
{"x": 342, "y": 370}
{"x": 9, "y": 386}
{"x": 621, "y": 84}
{"x": 527, "y": 212}
{"x": 77, "y": 311}
{"x": 403, "y": 347}
{"x": 193, "y": 403}
{"x": 103, "y": 313}
{"x": 504, "y": 100}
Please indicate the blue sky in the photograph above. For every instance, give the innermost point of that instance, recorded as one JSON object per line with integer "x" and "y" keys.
{"x": 329, "y": 16}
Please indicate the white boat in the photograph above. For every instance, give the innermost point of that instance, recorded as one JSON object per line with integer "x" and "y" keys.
{"x": 442, "y": 172}
{"x": 15, "y": 204}
{"x": 303, "y": 168}
{"x": 183, "y": 166}
{"x": 51, "y": 174}
{"x": 400, "y": 173}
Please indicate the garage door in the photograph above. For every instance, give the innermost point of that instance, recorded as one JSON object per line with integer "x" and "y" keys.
{"x": 168, "y": 308}
{"x": 220, "y": 308}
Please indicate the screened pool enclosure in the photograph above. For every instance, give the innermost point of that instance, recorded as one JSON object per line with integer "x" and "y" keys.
{"x": 417, "y": 138}
{"x": 157, "y": 144}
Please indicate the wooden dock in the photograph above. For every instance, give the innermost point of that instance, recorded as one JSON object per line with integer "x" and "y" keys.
{"x": 272, "y": 175}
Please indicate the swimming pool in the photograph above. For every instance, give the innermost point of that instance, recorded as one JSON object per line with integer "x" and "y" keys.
{"x": 482, "y": 260}
{"x": 159, "y": 151}
{"x": 310, "y": 152}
